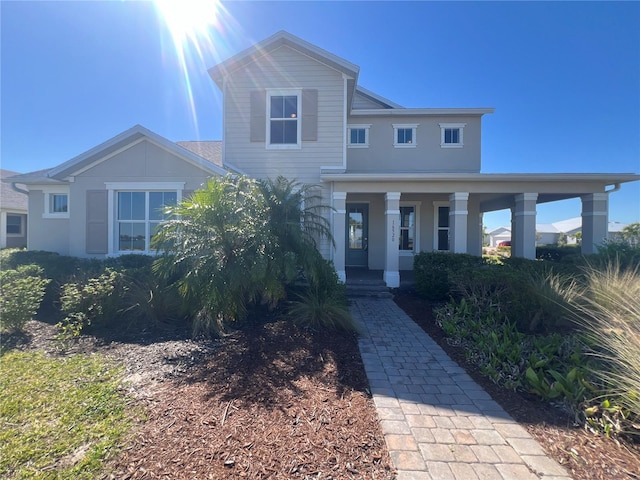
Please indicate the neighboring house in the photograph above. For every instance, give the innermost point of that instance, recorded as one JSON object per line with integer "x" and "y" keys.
{"x": 400, "y": 180}
{"x": 550, "y": 233}
{"x": 13, "y": 214}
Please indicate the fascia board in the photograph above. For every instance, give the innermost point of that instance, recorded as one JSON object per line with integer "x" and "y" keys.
{"x": 391, "y": 112}
{"x": 606, "y": 178}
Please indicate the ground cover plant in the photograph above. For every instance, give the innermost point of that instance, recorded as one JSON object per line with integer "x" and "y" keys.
{"x": 60, "y": 417}
{"x": 568, "y": 337}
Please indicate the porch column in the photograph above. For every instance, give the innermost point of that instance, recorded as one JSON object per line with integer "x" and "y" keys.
{"x": 595, "y": 221}
{"x": 339, "y": 233}
{"x": 392, "y": 254}
{"x": 523, "y": 243}
{"x": 458, "y": 217}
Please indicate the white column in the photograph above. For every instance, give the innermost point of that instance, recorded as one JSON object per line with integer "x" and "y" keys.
{"x": 595, "y": 221}
{"x": 392, "y": 254}
{"x": 458, "y": 217}
{"x": 3, "y": 228}
{"x": 523, "y": 227}
{"x": 339, "y": 233}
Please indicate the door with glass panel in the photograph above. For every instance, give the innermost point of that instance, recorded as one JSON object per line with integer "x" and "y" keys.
{"x": 357, "y": 241}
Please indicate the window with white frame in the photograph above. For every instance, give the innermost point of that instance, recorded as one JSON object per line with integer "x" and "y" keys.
{"x": 138, "y": 215}
{"x": 283, "y": 114}
{"x": 358, "y": 136}
{"x": 451, "y": 135}
{"x": 407, "y": 229}
{"x": 15, "y": 225}
{"x": 404, "y": 135}
{"x": 441, "y": 217}
{"x": 56, "y": 204}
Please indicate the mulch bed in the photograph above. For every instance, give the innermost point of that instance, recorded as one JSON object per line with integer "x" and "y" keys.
{"x": 273, "y": 401}
{"x": 585, "y": 455}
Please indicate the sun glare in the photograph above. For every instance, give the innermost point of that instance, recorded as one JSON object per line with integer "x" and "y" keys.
{"x": 197, "y": 29}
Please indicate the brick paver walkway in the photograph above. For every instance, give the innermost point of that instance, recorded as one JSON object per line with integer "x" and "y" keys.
{"x": 438, "y": 423}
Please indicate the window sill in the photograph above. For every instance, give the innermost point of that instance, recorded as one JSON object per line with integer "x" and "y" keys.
{"x": 55, "y": 215}
{"x": 284, "y": 147}
{"x": 399, "y": 145}
{"x": 358, "y": 146}
{"x": 451, "y": 145}
{"x": 407, "y": 253}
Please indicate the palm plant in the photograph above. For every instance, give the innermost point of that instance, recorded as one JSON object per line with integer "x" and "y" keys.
{"x": 217, "y": 244}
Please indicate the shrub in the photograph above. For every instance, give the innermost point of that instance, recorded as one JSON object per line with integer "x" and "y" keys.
{"x": 435, "y": 272}
{"x": 21, "y": 292}
{"x": 324, "y": 302}
{"x": 608, "y": 308}
{"x": 552, "y": 253}
{"x": 90, "y": 303}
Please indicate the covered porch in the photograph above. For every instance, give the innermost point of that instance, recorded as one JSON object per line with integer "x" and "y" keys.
{"x": 380, "y": 222}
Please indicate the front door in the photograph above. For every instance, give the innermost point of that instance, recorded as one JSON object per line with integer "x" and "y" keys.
{"x": 357, "y": 254}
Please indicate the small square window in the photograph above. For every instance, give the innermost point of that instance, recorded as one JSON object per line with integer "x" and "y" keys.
{"x": 56, "y": 204}
{"x": 451, "y": 135}
{"x": 358, "y": 136}
{"x": 404, "y": 136}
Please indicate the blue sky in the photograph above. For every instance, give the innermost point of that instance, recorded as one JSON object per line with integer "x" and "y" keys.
{"x": 564, "y": 78}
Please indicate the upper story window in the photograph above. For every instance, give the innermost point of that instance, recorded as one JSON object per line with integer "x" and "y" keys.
{"x": 358, "y": 136}
{"x": 284, "y": 114}
{"x": 56, "y": 204}
{"x": 404, "y": 135}
{"x": 451, "y": 135}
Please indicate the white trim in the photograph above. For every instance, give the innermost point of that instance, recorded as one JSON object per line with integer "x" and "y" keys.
{"x": 23, "y": 224}
{"x": 131, "y": 186}
{"x": 416, "y": 233}
{"x": 276, "y": 92}
{"x": 414, "y": 134}
{"x": 436, "y": 205}
{"x": 459, "y": 127}
{"x": 111, "y": 155}
{"x": 48, "y": 192}
{"x": 392, "y": 212}
{"x": 361, "y": 126}
{"x": 146, "y": 187}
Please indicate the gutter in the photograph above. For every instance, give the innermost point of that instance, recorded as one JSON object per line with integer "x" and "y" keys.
{"x": 15, "y": 187}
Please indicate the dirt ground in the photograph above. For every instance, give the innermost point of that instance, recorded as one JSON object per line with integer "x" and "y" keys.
{"x": 269, "y": 401}
{"x": 273, "y": 401}
{"x": 585, "y": 455}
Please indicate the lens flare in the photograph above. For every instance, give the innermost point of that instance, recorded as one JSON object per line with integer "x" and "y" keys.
{"x": 197, "y": 30}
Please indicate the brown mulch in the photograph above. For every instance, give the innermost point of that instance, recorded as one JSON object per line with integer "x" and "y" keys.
{"x": 273, "y": 401}
{"x": 585, "y": 455}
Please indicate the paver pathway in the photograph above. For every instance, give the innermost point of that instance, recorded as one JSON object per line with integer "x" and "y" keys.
{"x": 438, "y": 423}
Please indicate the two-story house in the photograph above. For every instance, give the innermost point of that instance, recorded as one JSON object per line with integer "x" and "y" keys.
{"x": 400, "y": 180}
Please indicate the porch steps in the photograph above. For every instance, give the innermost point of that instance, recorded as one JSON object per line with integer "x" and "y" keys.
{"x": 367, "y": 288}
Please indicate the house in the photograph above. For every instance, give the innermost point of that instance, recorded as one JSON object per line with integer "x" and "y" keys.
{"x": 13, "y": 214}
{"x": 550, "y": 233}
{"x": 400, "y": 180}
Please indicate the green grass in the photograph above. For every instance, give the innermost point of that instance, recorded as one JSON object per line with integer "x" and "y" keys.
{"x": 59, "y": 417}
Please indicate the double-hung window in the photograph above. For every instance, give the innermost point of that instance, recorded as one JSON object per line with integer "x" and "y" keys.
{"x": 441, "y": 241}
{"x": 404, "y": 135}
{"x": 138, "y": 215}
{"x": 284, "y": 119}
{"x": 407, "y": 229}
{"x": 358, "y": 136}
{"x": 451, "y": 135}
{"x": 15, "y": 225}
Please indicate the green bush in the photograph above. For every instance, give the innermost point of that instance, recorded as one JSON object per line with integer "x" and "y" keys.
{"x": 435, "y": 272}
{"x": 21, "y": 292}
{"x": 323, "y": 304}
{"x": 90, "y": 303}
{"x": 553, "y": 253}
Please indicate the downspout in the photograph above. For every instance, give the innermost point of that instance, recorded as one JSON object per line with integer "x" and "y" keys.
{"x": 616, "y": 187}
{"x": 15, "y": 187}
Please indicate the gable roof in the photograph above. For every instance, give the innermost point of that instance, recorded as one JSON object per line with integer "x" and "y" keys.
{"x": 123, "y": 140}
{"x": 375, "y": 98}
{"x": 9, "y": 198}
{"x": 209, "y": 150}
{"x": 277, "y": 40}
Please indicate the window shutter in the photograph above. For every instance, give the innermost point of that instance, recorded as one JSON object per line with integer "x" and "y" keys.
{"x": 97, "y": 221}
{"x": 258, "y": 120}
{"x": 310, "y": 115}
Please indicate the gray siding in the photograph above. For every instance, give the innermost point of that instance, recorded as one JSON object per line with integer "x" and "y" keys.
{"x": 285, "y": 68}
{"x": 50, "y": 234}
{"x": 427, "y": 156}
